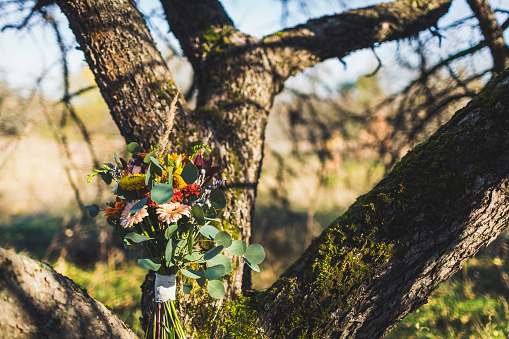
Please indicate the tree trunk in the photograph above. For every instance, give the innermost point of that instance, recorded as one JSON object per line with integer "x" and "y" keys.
{"x": 37, "y": 302}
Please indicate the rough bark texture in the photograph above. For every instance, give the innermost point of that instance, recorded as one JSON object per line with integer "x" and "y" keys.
{"x": 37, "y": 302}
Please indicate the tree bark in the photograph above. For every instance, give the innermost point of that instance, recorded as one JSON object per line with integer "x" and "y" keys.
{"x": 37, "y": 302}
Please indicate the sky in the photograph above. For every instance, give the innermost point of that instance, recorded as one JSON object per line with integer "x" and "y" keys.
{"x": 26, "y": 55}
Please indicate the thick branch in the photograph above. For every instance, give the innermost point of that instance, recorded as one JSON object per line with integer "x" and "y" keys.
{"x": 206, "y": 15}
{"x": 338, "y": 35}
{"x": 37, "y": 302}
{"x": 492, "y": 32}
{"x": 384, "y": 257}
{"x": 129, "y": 70}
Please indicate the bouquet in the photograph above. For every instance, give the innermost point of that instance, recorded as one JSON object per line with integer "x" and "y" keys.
{"x": 171, "y": 206}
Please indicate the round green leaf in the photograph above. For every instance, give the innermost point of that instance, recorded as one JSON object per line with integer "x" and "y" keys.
{"x": 210, "y": 213}
{"x": 195, "y": 256}
{"x": 191, "y": 273}
{"x": 217, "y": 199}
{"x": 216, "y": 289}
{"x": 136, "y": 238}
{"x": 106, "y": 177}
{"x": 150, "y": 264}
{"x": 198, "y": 214}
{"x": 237, "y": 248}
{"x": 209, "y": 232}
{"x": 212, "y": 252}
{"x": 221, "y": 259}
{"x": 162, "y": 193}
{"x": 189, "y": 173}
{"x": 134, "y": 148}
{"x": 214, "y": 272}
{"x": 254, "y": 267}
{"x": 138, "y": 206}
{"x": 255, "y": 253}
{"x": 93, "y": 210}
{"x": 223, "y": 238}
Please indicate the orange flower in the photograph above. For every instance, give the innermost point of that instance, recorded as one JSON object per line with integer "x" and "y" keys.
{"x": 114, "y": 211}
{"x": 177, "y": 196}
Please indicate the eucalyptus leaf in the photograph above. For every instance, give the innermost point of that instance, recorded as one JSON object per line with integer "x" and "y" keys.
{"x": 168, "y": 253}
{"x": 216, "y": 289}
{"x": 221, "y": 259}
{"x": 210, "y": 213}
{"x": 254, "y": 267}
{"x": 117, "y": 161}
{"x": 190, "y": 240}
{"x": 237, "y": 248}
{"x": 217, "y": 199}
{"x": 138, "y": 206}
{"x": 214, "y": 272}
{"x": 148, "y": 176}
{"x": 151, "y": 264}
{"x": 107, "y": 178}
{"x": 162, "y": 193}
{"x": 254, "y": 253}
{"x": 189, "y": 173}
{"x": 170, "y": 230}
{"x": 198, "y": 214}
{"x": 212, "y": 252}
{"x": 192, "y": 273}
{"x": 223, "y": 238}
{"x": 187, "y": 287}
{"x": 93, "y": 210}
{"x": 148, "y": 156}
{"x": 157, "y": 168}
{"x": 131, "y": 254}
{"x": 136, "y": 238}
{"x": 134, "y": 148}
{"x": 209, "y": 232}
{"x": 195, "y": 256}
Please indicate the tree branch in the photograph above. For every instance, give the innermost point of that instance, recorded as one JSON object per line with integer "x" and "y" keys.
{"x": 493, "y": 33}
{"x": 384, "y": 257}
{"x": 338, "y": 35}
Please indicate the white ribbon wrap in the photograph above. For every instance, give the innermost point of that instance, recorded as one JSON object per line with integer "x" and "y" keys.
{"x": 165, "y": 288}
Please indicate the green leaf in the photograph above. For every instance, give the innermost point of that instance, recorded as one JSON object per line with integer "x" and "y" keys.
{"x": 168, "y": 253}
{"x": 209, "y": 232}
{"x": 191, "y": 273}
{"x": 190, "y": 243}
{"x": 223, "y": 238}
{"x": 254, "y": 253}
{"x": 134, "y": 148}
{"x": 216, "y": 289}
{"x": 217, "y": 199}
{"x": 237, "y": 248}
{"x": 162, "y": 193}
{"x": 138, "y": 206}
{"x": 198, "y": 214}
{"x": 170, "y": 230}
{"x": 107, "y": 178}
{"x": 150, "y": 264}
{"x": 187, "y": 287}
{"x": 212, "y": 252}
{"x": 137, "y": 238}
{"x": 148, "y": 156}
{"x": 195, "y": 256}
{"x": 221, "y": 259}
{"x": 254, "y": 267}
{"x": 214, "y": 272}
{"x": 93, "y": 210}
{"x": 158, "y": 169}
{"x": 210, "y": 213}
{"x": 148, "y": 176}
{"x": 131, "y": 254}
{"x": 189, "y": 173}
{"x": 119, "y": 164}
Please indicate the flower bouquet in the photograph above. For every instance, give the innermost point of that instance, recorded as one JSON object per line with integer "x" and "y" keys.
{"x": 170, "y": 205}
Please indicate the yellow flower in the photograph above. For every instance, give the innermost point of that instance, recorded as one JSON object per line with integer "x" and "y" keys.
{"x": 178, "y": 182}
{"x": 132, "y": 182}
{"x": 178, "y": 158}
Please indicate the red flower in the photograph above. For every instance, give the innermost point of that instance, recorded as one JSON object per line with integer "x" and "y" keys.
{"x": 192, "y": 189}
